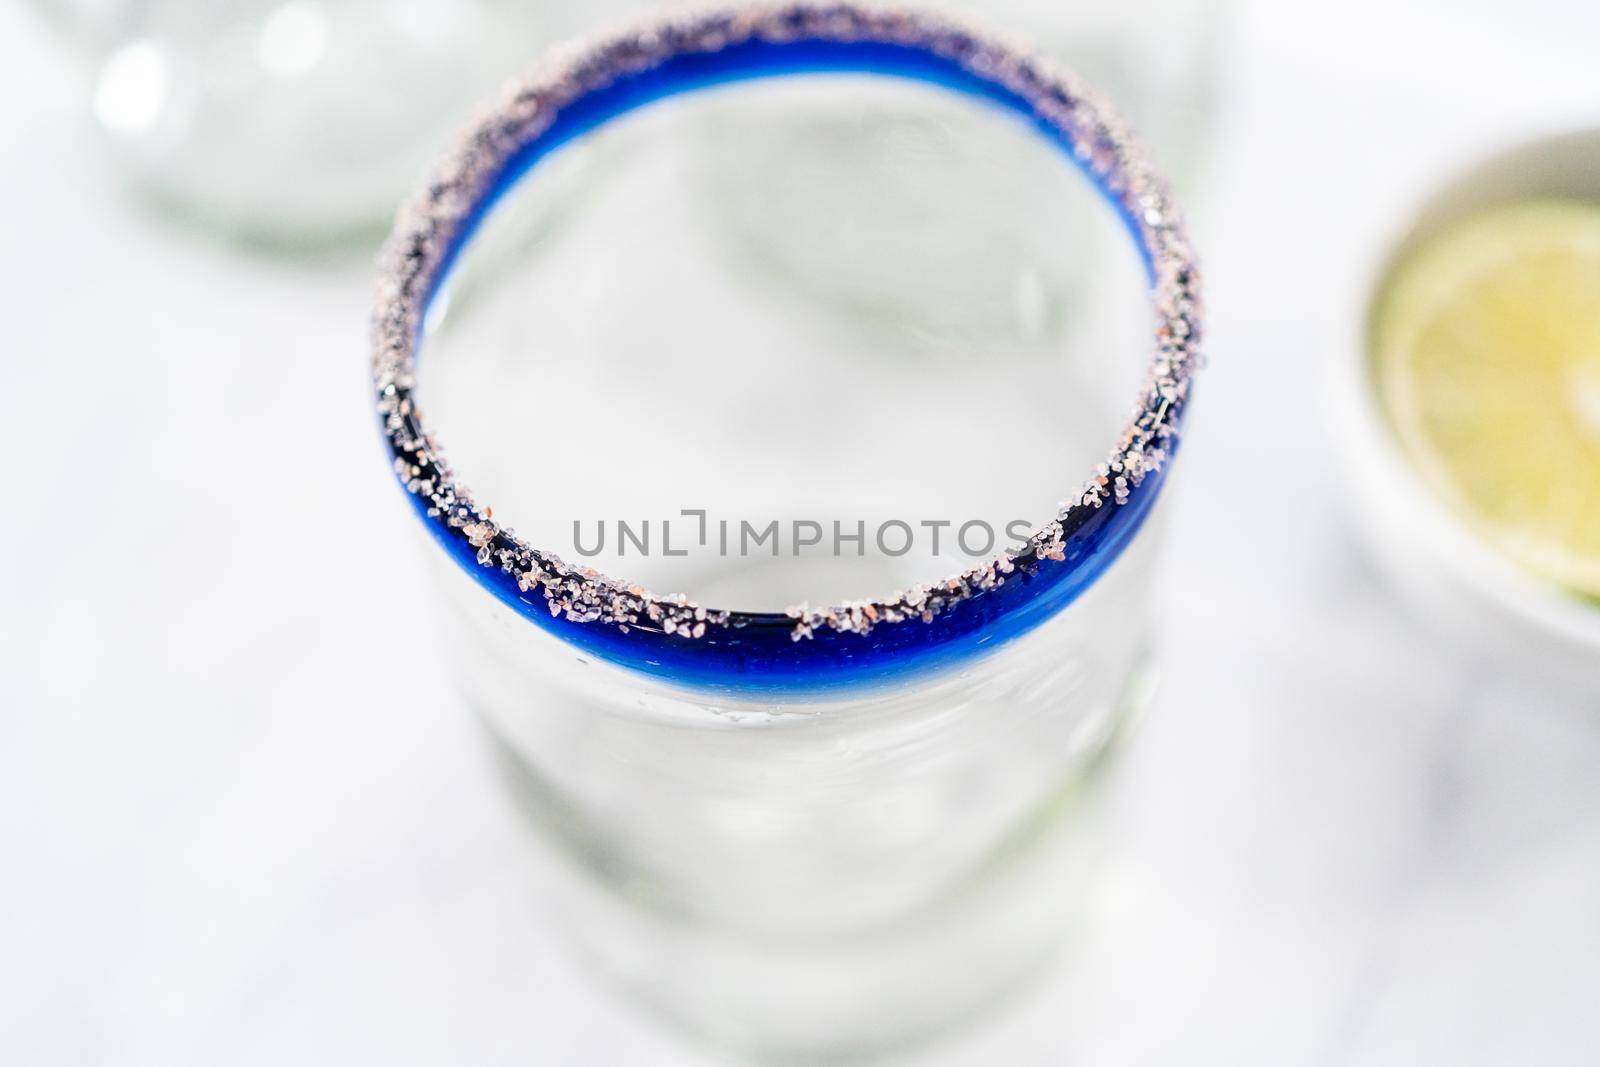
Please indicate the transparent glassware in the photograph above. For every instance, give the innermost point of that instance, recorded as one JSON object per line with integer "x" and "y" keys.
{"x": 802, "y": 832}
{"x": 1156, "y": 58}
{"x": 294, "y": 124}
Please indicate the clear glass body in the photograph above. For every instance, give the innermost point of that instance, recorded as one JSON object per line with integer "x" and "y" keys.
{"x": 813, "y": 877}
{"x": 959, "y": 338}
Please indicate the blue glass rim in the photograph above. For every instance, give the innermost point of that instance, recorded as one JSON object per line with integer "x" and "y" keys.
{"x": 845, "y": 646}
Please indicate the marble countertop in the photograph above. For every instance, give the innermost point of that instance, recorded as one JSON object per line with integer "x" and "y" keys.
{"x": 226, "y": 836}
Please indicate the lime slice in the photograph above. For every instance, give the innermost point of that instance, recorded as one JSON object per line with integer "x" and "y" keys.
{"x": 1486, "y": 354}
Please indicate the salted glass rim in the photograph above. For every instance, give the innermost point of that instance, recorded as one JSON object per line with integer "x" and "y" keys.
{"x": 580, "y": 88}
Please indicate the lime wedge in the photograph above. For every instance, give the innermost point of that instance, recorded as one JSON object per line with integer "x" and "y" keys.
{"x": 1486, "y": 355}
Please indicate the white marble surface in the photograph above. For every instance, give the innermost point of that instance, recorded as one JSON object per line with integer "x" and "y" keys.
{"x": 230, "y": 833}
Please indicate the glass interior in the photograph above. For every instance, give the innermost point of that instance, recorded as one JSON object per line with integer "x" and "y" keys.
{"x": 833, "y": 299}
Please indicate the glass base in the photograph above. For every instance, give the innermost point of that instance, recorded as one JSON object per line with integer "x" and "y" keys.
{"x": 855, "y": 993}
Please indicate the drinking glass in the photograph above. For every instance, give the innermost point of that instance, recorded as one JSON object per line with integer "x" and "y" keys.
{"x": 836, "y": 792}
{"x": 293, "y": 124}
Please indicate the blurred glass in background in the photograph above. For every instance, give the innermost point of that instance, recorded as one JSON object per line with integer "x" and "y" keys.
{"x": 818, "y": 223}
{"x": 296, "y": 124}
